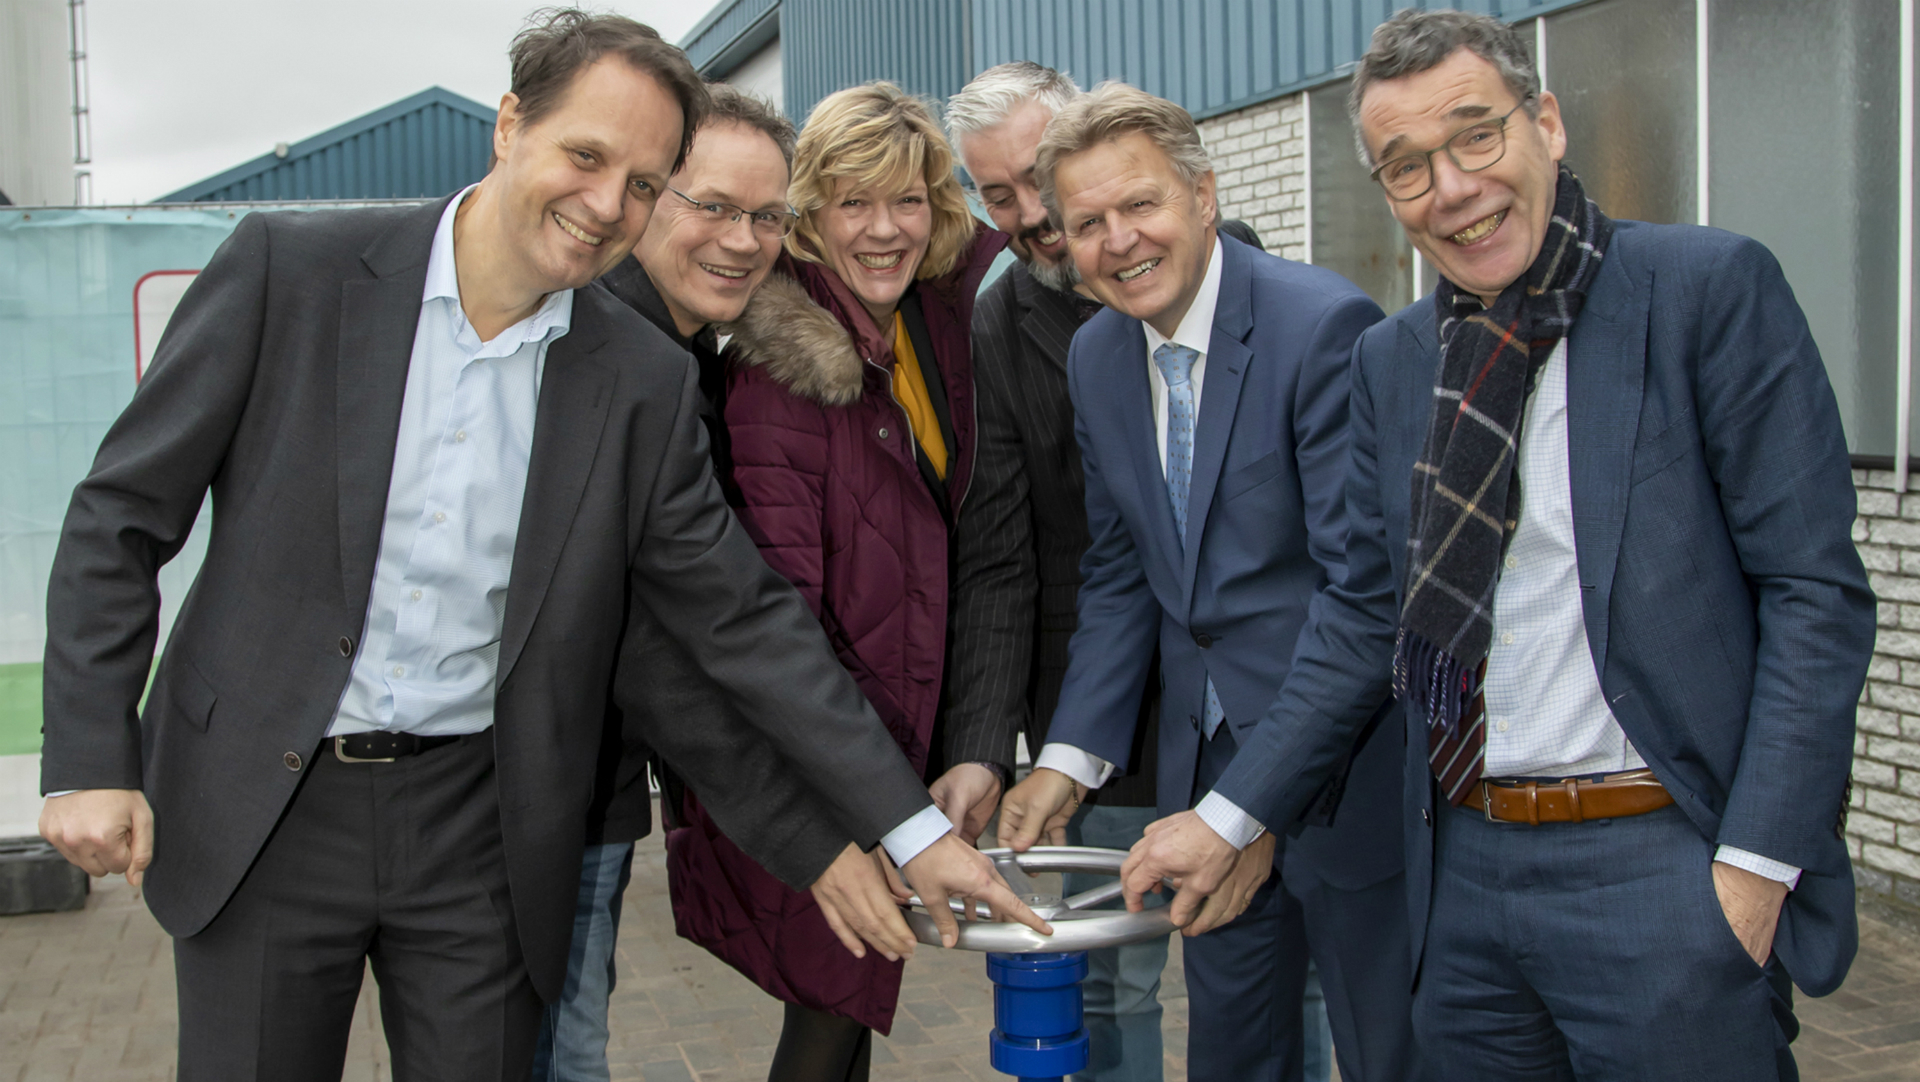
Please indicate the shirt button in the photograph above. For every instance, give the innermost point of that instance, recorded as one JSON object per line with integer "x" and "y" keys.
{"x": 439, "y": 516}
{"x": 882, "y": 433}
{"x": 416, "y": 595}
{"x": 399, "y": 670}
{"x": 460, "y": 436}
{"x": 1507, "y": 637}
{"x": 292, "y": 761}
{"x": 1501, "y": 725}
{"x": 1512, "y": 562}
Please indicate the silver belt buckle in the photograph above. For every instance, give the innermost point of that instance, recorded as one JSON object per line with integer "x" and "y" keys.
{"x": 1486, "y": 800}
{"x": 340, "y": 752}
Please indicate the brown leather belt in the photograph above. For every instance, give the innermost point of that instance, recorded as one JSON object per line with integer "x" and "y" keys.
{"x": 1635, "y": 792}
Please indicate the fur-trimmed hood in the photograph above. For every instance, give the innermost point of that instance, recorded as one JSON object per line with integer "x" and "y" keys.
{"x": 799, "y": 343}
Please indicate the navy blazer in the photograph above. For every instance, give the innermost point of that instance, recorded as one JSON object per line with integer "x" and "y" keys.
{"x": 1727, "y": 610}
{"x": 1266, "y": 529}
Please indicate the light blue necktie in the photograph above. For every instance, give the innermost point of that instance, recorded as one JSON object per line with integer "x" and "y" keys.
{"x": 1176, "y": 365}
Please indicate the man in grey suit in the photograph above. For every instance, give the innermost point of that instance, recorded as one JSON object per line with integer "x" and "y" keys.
{"x": 446, "y": 472}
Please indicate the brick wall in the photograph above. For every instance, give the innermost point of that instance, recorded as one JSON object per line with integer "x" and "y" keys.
{"x": 1260, "y": 164}
{"x": 1883, "y": 829}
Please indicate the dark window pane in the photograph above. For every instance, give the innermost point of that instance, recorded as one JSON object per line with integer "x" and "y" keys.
{"x": 1805, "y": 107}
{"x": 1624, "y": 74}
{"x": 1353, "y": 231}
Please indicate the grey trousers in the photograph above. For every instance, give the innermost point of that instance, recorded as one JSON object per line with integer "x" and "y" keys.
{"x": 400, "y": 864}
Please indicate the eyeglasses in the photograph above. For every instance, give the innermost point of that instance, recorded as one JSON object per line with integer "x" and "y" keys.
{"x": 771, "y": 224}
{"x": 1472, "y": 148}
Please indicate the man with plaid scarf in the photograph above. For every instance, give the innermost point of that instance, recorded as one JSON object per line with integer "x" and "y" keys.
{"x": 1599, "y": 548}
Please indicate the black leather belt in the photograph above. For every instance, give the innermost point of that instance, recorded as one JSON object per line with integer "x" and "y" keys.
{"x": 383, "y": 747}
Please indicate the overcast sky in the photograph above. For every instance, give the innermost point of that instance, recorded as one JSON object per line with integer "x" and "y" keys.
{"x": 183, "y": 89}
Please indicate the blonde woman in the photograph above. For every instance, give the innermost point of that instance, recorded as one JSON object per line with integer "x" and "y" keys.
{"x": 850, "y": 411}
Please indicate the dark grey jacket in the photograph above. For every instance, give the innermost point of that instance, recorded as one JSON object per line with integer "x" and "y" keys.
{"x": 278, "y": 387}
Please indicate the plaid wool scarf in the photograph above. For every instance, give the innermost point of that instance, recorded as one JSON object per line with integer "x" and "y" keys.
{"x": 1466, "y": 495}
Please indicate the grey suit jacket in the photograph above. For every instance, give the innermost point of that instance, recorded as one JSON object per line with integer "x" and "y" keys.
{"x": 278, "y": 387}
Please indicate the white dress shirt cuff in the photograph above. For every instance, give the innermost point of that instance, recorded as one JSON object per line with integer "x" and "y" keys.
{"x": 1227, "y": 820}
{"x": 1084, "y": 767}
{"x": 910, "y": 838}
{"x": 1775, "y": 870}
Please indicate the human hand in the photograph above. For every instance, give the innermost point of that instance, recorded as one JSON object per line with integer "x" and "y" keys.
{"x": 102, "y": 831}
{"x": 1751, "y": 903}
{"x": 950, "y": 868}
{"x": 1039, "y": 807}
{"x": 861, "y": 907}
{"x": 967, "y": 794}
{"x": 1184, "y": 848}
{"x": 1250, "y": 870}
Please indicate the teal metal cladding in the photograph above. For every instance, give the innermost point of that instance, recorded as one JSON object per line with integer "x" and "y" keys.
{"x": 431, "y": 144}
{"x": 1211, "y": 56}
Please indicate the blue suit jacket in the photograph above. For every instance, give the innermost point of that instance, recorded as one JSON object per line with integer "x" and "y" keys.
{"x": 1266, "y": 528}
{"x": 1727, "y": 610}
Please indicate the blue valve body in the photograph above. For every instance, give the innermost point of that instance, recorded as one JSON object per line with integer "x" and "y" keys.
{"x": 1039, "y": 1032}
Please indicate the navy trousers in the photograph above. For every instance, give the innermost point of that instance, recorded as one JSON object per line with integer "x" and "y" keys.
{"x": 1593, "y": 951}
{"x": 1245, "y": 981}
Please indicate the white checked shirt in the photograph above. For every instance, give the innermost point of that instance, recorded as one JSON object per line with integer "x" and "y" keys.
{"x": 431, "y": 646}
{"x": 1546, "y": 714}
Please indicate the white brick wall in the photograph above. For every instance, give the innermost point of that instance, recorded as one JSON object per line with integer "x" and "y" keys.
{"x": 1883, "y": 829}
{"x": 1260, "y": 164}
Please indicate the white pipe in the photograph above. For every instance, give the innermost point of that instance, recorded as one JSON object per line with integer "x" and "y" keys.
{"x": 1540, "y": 49}
{"x": 1903, "y": 335}
{"x": 1306, "y": 169}
{"x": 1703, "y": 143}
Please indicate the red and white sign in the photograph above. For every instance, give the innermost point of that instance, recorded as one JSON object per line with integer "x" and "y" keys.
{"x": 155, "y": 296}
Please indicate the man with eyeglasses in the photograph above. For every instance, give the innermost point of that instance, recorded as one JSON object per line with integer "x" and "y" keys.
{"x": 1600, "y": 514}
{"x": 715, "y": 234}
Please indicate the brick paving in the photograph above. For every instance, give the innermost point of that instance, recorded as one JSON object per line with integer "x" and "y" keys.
{"x": 89, "y": 996}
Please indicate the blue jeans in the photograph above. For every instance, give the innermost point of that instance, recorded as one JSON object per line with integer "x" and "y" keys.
{"x": 573, "y": 1030}
{"x": 1122, "y": 989}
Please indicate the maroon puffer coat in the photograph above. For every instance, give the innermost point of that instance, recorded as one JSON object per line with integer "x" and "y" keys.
{"x": 824, "y": 459}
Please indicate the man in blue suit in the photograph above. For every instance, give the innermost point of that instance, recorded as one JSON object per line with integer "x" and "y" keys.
{"x": 1210, "y": 408}
{"x": 1599, "y": 547}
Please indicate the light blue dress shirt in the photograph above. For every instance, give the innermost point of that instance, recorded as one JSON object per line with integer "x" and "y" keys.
{"x": 431, "y": 646}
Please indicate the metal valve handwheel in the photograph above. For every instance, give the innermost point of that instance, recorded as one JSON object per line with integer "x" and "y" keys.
{"x": 1077, "y": 926}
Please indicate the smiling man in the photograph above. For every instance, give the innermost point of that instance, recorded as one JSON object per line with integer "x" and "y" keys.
{"x": 1600, "y": 550}
{"x": 1210, "y": 408}
{"x": 448, "y": 476}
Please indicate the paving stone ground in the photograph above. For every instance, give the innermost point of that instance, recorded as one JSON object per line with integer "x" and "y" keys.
{"x": 88, "y": 997}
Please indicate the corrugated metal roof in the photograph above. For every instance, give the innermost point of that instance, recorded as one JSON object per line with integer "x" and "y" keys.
{"x": 427, "y": 145}
{"x": 730, "y": 33}
{"x": 1211, "y": 56}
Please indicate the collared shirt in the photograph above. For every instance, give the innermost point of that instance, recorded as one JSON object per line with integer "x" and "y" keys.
{"x": 1195, "y": 332}
{"x": 430, "y": 650}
